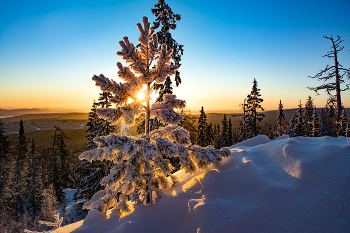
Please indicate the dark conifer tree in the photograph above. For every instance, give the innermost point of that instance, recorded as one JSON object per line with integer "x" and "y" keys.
{"x": 202, "y": 125}
{"x": 309, "y": 111}
{"x": 210, "y": 134}
{"x": 167, "y": 20}
{"x": 33, "y": 183}
{"x": 93, "y": 122}
{"x": 63, "y": 155}
{"x": 103, "y": 127}
{"x": 224, "y": 131}
{"x": 300, "y": 127}
{"x": 54, "y": 169}
{"x": 218, "y": 139}
{"x": 189, "y": 123}
{"x": 22, "y": 149}
{"x": 280, "y": 125}
{"x": 324, "y": 124}
{"x": 230, "y": 133}
{"x": 252, "y": 117}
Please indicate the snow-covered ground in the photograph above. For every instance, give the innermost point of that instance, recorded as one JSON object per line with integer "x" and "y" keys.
{"x": 286, "y": 185}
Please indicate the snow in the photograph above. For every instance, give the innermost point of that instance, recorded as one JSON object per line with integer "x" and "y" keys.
{"x": 287, "y": 185}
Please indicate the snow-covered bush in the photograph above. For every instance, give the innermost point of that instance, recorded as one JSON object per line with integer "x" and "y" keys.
{"x": 142, "y": 163}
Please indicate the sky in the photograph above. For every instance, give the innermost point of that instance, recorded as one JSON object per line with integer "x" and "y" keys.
{"x": 50, "y": 50}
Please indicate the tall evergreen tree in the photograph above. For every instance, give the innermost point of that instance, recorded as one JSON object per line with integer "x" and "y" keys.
{"x": 224, "y": 131}
{"x": 140, "y": 169}
{"x": 63, "y": 155}
{"x": 300, "y": 126}
{"x": 167, "y": 20}
{"x": 33, "y": 183}
{"x": 202, "y": 125}
{"x": 54, "y": 168}
{"x": 93, "y": 121}
{"x": 22, "y": 149}
{"x": 252, "y": 116}
{"x": 280, "y": 125}
{"x": 335, "y": 73}
{"x": 309, "y": 111}
{"x": 315, "y": 124}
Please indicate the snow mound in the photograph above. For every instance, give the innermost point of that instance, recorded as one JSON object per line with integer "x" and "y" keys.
{"x": 258, "y": 140}
{"x": 288, "y": 185}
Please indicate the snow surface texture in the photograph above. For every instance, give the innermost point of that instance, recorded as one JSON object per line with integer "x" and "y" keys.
{"x": 287, "y": 185}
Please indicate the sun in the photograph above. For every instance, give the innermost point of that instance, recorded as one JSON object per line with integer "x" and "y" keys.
{"x": 140, "y": 95}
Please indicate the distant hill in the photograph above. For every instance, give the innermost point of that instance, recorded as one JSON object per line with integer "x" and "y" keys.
{"x": 61, "y": 116}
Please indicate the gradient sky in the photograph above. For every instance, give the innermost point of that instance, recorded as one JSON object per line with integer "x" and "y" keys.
{"x": 49, "y": 50}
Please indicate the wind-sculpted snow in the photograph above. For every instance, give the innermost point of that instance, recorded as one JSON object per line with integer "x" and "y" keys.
{"x": 288, "y": 185}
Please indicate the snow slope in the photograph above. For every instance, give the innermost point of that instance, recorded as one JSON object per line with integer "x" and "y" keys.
{"x": 286, "y": 185}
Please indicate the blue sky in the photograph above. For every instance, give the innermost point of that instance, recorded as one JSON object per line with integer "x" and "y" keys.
{"x": 49, "y": 50}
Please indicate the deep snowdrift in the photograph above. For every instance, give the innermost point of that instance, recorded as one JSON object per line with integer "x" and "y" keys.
{"x": 286, "y": 185}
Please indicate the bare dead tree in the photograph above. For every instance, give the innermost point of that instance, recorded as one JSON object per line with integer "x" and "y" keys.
{"x": 330, "y": 72}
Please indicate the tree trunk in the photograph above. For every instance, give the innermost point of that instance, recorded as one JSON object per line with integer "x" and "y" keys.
{"x": 337, "y": 85}
{"x": 147, "y": 110}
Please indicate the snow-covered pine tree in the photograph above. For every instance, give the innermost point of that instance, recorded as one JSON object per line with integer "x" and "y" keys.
{"x": 202, "y": 125}
{"x": 315, "y": 124}
{"x": 91, "y": 173}
{"x": 49, "y": 204}
{"x": 300, "y": 126}
{"x": 291, "y": 127}
{"x": 33, "y": 184}
{"x": 274, "y": 132}
{"x": 341, "y": 124}
{"x": 280, "y": 125}
{"x": 347, "y": 132}
{"x": 224, "y": 131}
{"x": 324, "y": 124}
{"x": 140, "y": 169}
{"x": 252, "y": 116}
{"x": 309, "y": 110}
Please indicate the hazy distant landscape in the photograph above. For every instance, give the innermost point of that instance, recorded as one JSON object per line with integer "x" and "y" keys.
{"x": 41, "y": 125}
